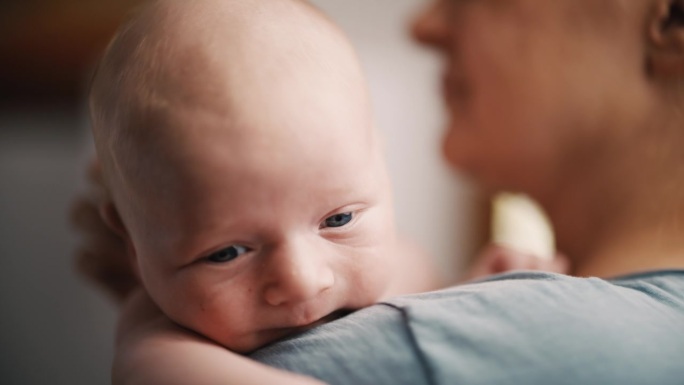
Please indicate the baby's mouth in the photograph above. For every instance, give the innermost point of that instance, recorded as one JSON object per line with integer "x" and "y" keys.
{"x": 284, "y": 333}
{"x": 337, "y": 314}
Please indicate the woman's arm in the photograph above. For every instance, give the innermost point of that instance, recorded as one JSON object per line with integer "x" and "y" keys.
{"x": 416, "y": 271}
{"x": 497, "y": 259}
{"x": 151, "y": 349}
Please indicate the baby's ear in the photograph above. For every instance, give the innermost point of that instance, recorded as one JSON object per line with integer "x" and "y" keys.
{"x": 666, "y": 40}
{"x": 110, "y": 216}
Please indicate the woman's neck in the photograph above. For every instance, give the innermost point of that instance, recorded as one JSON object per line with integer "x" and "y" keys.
{"x": 623, "y": 219}
{"x": 642, "y": 251}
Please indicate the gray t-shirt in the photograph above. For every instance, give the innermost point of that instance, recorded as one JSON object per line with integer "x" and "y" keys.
{"x": 520, "y": 328}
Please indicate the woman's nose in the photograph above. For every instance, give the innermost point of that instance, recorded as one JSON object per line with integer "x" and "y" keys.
{"x": 295, "y": 273}
{"x": 430, "y": 26}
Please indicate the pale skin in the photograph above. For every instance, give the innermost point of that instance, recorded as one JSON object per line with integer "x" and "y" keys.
{"x": 244, "y": 227}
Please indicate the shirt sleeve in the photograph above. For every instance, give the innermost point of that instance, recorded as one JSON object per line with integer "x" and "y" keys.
{"x": 371, "y": 346}
{"x": 522, "y": 328}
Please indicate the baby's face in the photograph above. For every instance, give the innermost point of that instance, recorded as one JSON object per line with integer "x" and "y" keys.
{"x": 243, "y": 165}
{"x": 251, "y": 235}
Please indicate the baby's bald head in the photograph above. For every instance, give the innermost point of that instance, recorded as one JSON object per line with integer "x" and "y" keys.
{"x": 241, "y": 129}
{"x": 264, "y": 68}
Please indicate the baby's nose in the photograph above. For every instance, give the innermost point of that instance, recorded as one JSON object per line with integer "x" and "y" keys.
{"x": 295, "y": 273}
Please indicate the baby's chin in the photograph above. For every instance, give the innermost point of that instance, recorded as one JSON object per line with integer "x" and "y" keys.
{"x": 267, "y": 337}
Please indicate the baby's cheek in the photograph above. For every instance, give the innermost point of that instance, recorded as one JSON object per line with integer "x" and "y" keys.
{"x": 188, "y": 304}
{"x": 374, "y": 276}
{"x": 217, "y": 322}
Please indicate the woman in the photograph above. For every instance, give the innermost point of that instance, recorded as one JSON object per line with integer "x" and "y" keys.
{"x": 578, "y": 104}
{"x": 574, "y": 103}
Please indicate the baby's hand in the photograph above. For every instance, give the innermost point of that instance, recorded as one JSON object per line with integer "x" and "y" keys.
{"x": 100, "y": 254}
{"x": 497, "y": 259}
{"x": 153, "y": 350}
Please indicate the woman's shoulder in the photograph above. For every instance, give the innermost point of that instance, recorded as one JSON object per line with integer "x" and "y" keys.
{"x": 523, "y": 327}
{"x": 551, "y": 326}
{"x": 541, "y": 298}
{"x": 533, "y": 286}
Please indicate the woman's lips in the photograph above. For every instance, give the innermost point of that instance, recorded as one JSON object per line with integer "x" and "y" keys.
{"x": 446, "y": 88}
{"x": 453, "y": 87}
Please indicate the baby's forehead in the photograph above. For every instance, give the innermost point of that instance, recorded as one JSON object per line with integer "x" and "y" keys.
{"x": 240, "y": 63}
{"x": 271, "y": 130}
{"x": 199, "y": 160}
{"x": 257, "y": 72}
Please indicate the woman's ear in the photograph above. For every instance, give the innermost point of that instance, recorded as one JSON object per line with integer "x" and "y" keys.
{"x": 665, "y": 36}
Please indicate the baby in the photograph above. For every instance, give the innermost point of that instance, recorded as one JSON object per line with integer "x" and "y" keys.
{"x": 247, "y": 182}
{"x": 236, "y": 140}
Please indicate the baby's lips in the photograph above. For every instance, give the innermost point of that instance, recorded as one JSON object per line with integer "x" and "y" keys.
{"x": 337, "y": 314}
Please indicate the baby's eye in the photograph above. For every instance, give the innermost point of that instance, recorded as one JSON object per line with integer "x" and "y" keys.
{"x": 337, "y": 220}
{"x": 227, "y": 254}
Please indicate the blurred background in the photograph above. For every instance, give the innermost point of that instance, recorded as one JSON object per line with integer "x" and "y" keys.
{"x": 54, "y": 327}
